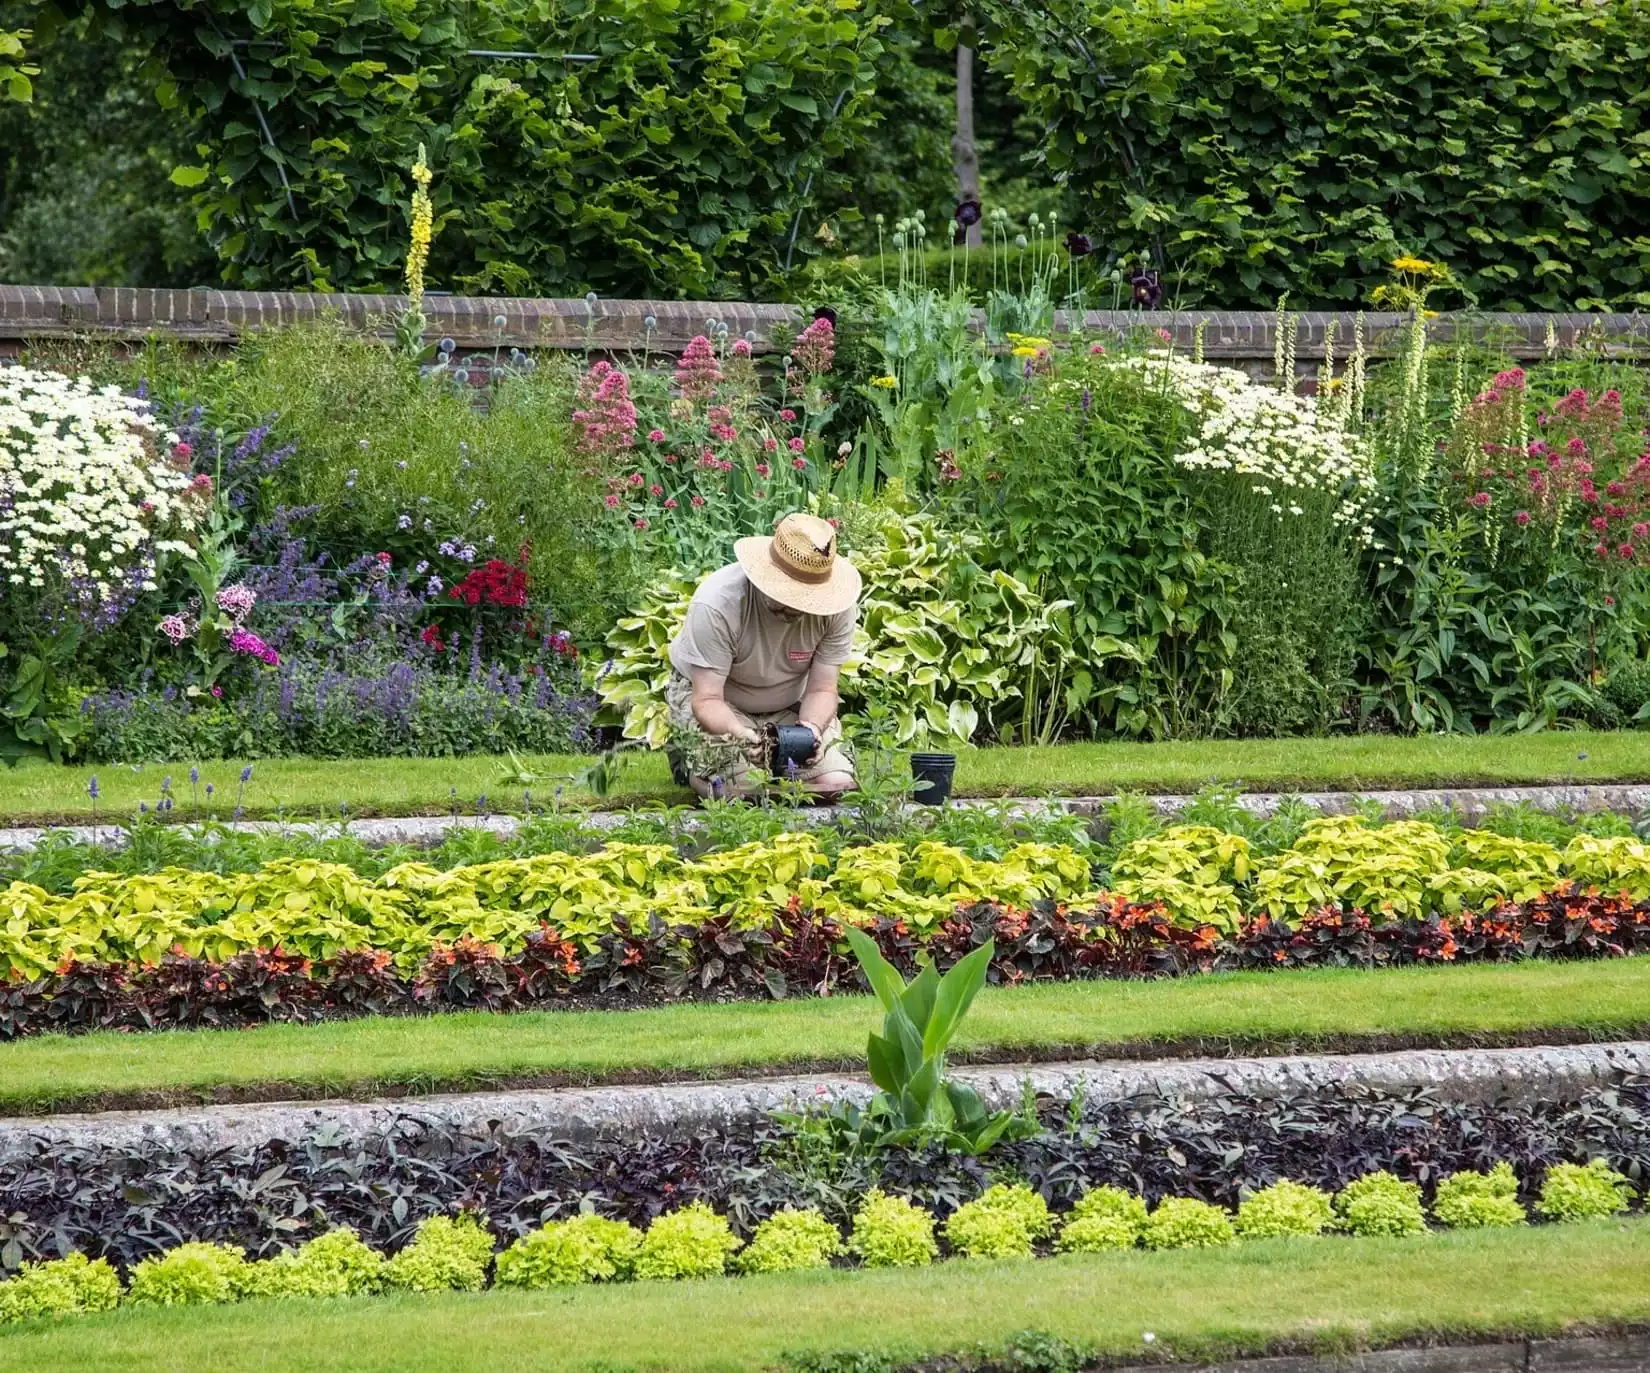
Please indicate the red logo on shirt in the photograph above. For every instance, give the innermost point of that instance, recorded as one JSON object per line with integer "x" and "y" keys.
{"x": 801, "y": 657}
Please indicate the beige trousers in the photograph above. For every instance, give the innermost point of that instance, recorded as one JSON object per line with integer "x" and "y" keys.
{"x": 708, "y": 759}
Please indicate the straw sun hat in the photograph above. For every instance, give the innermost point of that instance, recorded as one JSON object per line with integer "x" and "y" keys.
{"x": 799, "y": 567}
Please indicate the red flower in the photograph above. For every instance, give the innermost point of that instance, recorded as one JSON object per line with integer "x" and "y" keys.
{"x": 495, "y": 583}
{"x": 432, "y": 637}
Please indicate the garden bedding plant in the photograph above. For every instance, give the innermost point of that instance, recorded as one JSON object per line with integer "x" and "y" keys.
{"x": 1092, "y": 1162}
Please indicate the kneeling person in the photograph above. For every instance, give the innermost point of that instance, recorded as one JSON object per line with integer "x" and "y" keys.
{"x": 763, "y": 644}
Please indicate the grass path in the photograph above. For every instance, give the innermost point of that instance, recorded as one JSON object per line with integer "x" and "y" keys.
{"x": 1322, "y": 1294}
{"x": 1277, "y": 1011}
{"x": 414, "y": 786}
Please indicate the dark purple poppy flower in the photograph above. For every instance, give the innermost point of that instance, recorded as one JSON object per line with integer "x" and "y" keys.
{"x": 1148, "y": 289}
{"x": 968, "y": 213}
{"x": 1078, "y": 245}
{"x": 825, "y": 312}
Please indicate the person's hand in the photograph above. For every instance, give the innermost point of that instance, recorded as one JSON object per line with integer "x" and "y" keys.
{"x": 819, "y": 740}
{"x": 748, "y": 735}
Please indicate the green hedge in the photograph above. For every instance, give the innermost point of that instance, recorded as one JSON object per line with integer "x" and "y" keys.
{"x": 1272, "y": 146}
{"x": 672, "y": 164}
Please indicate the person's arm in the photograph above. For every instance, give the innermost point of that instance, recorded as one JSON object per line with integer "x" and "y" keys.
{"x": 819, "y": 700}
{"x": 711, "y": 710}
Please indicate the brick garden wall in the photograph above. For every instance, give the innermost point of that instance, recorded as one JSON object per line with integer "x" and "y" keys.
{"x": 217, "y": 318}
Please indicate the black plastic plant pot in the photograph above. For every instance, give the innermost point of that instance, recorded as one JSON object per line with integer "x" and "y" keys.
{"x": 933, "y": 774}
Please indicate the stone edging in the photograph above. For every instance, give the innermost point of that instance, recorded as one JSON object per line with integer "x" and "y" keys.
{"x": 1470, "y": 803}
{"x": 218, "y": 316}
{"x": 578, "y": 1112}
{"x": 1567, "y": 1354}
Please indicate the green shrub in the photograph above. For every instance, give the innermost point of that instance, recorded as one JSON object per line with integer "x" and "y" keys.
{"x": 59, "y": 1287}
{"x": 1104, "y": 1218}
{"x": 1284, "y": 1208}
{"x": 694, "y": 1242}
{"x": 890, "y": 1232}
{"x": 790, "y": 1240}
{"x": 1002, "y": 1223}
{"x": 579, "y": 1249}
{"x": 1267, "y": 141}
{"x": 1380, "y": 1204}
{"x": 447, "y": 1254}
{"x": 1185, "y": 1223}
{"x": 192, "y": 1274}
{"x": 1627, "y": 689}
{"x": 336, "y": 1264}
{"x": 1469, "y": 1201}
{"x": 1576, "y": 1192}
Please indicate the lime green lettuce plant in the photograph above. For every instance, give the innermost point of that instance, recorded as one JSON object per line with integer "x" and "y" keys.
{"x": 1104, "y": 1218}
{"x": 1284, "y": 1208}
{"x": 1574, "y": 1191}
{"x": 1474, "y": 1200}
{"x": 1002, "y": 1223}
{"x": 59, "y": 1287}
{"x": 1380, "y": 1204}
{"x": 693, "y": 1242}
{"x": 891, "y": 1232}
{"x": 1186, "y": 1223}
{"x": 788, "y": 1241}
{"x": 448, "y": 1253}
{"x": 196, "y": 1273}
{"x": 337, "y": 1264}
{"x": 580, "y": 1249}
{"x": 916, "y": 1104}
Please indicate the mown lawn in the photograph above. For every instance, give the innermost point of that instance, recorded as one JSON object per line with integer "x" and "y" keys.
{"x": 416, "y": 786}
{"x": 1330, "y": 1294}
{"x": 1252, "y": 1012}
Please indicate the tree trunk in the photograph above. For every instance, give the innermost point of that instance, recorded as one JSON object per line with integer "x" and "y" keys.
{"x": 965, "y": 157}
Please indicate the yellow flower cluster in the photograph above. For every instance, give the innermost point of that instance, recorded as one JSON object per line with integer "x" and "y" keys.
{"x": 885, "y": 383}
{"x": 1027, "y": 346}
{"x": 1414, "y": 264}
{"x": 423, "y": 221}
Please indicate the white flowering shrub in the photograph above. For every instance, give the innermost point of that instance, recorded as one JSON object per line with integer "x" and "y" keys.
{"x": 92, "y": 489}
{"x": 1278, "y": 444}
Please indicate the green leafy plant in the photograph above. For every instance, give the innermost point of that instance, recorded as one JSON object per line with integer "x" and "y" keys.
{"x": 337, "y": 1264}
{"x": 1473, "y": 1200}
{"x": 907, "y": 1060}
{"x": 1380, "y": 1204}
{"x": 788, "y": 1241}
{"x": 1284, "y": 1208}
{"x": 192, "y": 1274}
{"x": 1185, "y": 1223}
{"x": 59, "y": 1287}
{"x": 1002, "y": 1223}
{"x": 891, "y": 1232}
{"x": 447, "y": 1253}
{"x": 693, "y": 1242}
{"x": 1104, "y": 1218}
{"x": 1591, "y": 1191}
{"x": 585, "y": 1248}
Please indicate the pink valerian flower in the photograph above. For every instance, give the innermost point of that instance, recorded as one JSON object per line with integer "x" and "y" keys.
{"x": 1510, "y": 380}
{"x": 741, "y": 348}
{"x": 1608, "y": 407}
{"x": 697, "y": 371}
{"x": 244, "y": 641}
{"x": 1164, "y": 336}
{"x": 607, "y": 420}
{"x": 183, "y": 452}
{"x": 723, "y": 433}
{"x": 719, "y": 414}
{"x": 762, "y": 469}
{"x": 770, "y": 445}
{"x": 697, "y": 501}
{"x": 635, "y": 479}
{"x": 202, "y": 485}
{"x": 611, "y": 501}
{"x": 655, "y": 491}
{"x": 1641, "y": 530}
{"x": 1625, "y": 552}
{"x": 788, "y": 415}
{"x": 799, "y": 464}
{"x": 670, "y": 502}
{"x": 175, "y": 628}
{"x": 815, "y": 348}
{"x": 641, "y": 524}
{"x": 1616, "y": 489}
{"x": 1479, "y": 500}
{"x": 671, "y": 460}
{"x": 797, "y": 445}
{"x": 236, "y": 602}
{"x": 1601, "y": 550}
{"x": 1097, "y": 350}
{"x": 1522, "y": 517}
{"x": 1576, "y": 448}
{"x": 1599, "y": 523}
{"x": 1574, "y": 405}
{"x": 655, "y": 435}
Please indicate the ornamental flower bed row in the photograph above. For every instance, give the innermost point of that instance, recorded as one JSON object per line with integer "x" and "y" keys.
{"x": 795, "y": 952}
{"x": 1200, "y": 878}
{"x": 1007, "y": 1221}
{"x": 134, "y": 1199}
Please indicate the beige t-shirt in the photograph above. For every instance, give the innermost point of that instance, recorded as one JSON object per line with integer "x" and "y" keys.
{"x": 766, "y": 658}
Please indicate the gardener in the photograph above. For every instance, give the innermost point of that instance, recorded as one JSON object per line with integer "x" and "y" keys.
{"x": 763, "y": 644}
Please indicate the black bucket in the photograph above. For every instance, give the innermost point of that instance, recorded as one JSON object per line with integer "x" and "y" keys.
{"x": 933, "y": 774}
